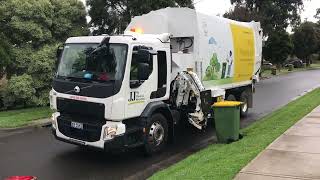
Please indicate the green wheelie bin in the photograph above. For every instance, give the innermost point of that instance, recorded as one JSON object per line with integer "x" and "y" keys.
{"x": 227, "y": 120}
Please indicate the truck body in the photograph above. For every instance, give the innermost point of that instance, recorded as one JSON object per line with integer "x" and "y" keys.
{"x": 169, "y": 66}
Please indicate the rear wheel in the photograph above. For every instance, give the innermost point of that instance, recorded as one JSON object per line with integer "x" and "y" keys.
{"x": 244, "y": 109}
{"x": 231, "y": 97}
{"x": 157, "y": 134}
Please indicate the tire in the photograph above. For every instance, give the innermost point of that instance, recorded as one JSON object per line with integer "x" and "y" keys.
{"x": 157, "y": 134}
{"x": 244, "y": 109}
{"x": 231, "y": 97}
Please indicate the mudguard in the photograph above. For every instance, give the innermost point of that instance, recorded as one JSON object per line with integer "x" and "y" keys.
{"x": 152, "y": 107}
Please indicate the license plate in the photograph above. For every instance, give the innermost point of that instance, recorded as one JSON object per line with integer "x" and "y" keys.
{"x": 76, "y": 125}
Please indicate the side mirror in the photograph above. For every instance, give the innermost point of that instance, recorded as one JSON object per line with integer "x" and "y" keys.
{"x": 143, "y": 71}
{"x": 58, "y": 55}
{"x": 144, "y": 56}
{"x": 59, "y": 52}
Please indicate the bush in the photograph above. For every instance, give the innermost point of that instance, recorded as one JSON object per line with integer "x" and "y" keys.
{"x": 32, "y": 87}
{"x": 19, "y": 92}
{"x": 32, "y": 29}
{"x": 290, "y": 67}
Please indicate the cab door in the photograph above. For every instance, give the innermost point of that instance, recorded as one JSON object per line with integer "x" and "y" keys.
{"x": 142, "y": 81}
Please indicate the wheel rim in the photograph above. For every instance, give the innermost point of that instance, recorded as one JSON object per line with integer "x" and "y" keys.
{"x": 156, "y": 133}
{"x": 244, "y": 107}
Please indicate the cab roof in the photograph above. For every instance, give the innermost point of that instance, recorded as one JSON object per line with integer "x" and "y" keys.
{"x": 126, "y": 38}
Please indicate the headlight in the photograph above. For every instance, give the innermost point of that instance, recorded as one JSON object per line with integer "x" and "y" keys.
{"x": 109, "y": 133}
{"x": 113, "y": 129}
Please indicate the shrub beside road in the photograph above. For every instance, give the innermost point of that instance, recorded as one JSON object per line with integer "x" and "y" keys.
{"x": 23, "y": 117}
{"x": 267, "y": 73}
{"x": 224, "y": 161}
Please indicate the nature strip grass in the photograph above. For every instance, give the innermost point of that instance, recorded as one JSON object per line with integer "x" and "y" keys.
{"x": 224, "y": 161}
{"x": 17, "y": 118}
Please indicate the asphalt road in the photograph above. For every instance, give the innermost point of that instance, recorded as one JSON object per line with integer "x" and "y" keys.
{"x": 37, "y": 153}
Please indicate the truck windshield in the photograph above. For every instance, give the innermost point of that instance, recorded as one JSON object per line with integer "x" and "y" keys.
{"x": 91, "y": 62}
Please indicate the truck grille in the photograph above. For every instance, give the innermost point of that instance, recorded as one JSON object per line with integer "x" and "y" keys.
{"x": 91, "y": 127}
{"x": 83, "y": 108}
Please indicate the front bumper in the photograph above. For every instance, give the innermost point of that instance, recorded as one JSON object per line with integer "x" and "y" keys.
{"x": 126, "y": 137}
{"x": 118, "y": 142}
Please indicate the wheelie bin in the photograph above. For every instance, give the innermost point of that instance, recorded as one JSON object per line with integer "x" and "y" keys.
{"x": 227, "y": 120}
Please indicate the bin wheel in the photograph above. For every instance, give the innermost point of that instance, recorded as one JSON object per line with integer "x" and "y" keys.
{"x": 156, "y": 134}
{"x": 244, "y": 109}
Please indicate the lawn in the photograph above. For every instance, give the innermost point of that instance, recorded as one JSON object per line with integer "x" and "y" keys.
{"x": 17, "y": 118}
{"x": 224, "y": 161}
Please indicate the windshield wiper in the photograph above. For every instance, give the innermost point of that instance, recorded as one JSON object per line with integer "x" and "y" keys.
{"x": 80, "y": 79}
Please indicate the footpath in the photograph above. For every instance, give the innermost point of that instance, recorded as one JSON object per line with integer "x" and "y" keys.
{"x": 294, "y": 155}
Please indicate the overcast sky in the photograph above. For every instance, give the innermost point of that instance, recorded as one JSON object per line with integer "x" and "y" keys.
{"x": 215, "y": 7}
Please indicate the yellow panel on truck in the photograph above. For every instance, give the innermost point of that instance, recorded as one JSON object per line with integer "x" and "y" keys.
{"x": 244, "y": 48}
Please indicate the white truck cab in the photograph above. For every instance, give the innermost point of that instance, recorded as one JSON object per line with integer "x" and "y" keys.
{"x": 132, "y": 90}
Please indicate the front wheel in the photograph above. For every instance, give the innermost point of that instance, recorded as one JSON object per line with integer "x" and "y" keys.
{"x": 156, "y": 134}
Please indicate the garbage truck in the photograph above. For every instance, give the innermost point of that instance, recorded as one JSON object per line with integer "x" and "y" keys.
{"x": 169, "y": 66}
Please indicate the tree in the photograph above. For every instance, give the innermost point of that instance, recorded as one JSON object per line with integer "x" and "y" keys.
{"x": 112, "y": 16}
{"x": 5, "y": 50}
{"x": 27, "y": 22}
{"x": 240, "y": 13}
{"x": 19, "y": 92}
{"x": 69, "y": 19}
{"x": 306, "y": 39}
{"x": 34, "y": 28}
{"x": 318, "y": 26}
{"x": 278, "y": 47}
{"x": 317, "y": 16}
{"x": 274, "y": 15}
{"x": 37, "y": 22}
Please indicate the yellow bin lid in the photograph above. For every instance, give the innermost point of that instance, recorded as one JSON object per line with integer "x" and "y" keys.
{"x": 227, "y": 104}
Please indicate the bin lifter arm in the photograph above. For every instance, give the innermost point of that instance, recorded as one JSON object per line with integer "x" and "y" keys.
{"x": 187, "y": 86}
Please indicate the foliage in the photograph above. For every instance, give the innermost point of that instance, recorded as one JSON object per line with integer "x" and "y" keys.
{"x": 224, "y": 161}
{"x": 27, "y": 22}
{"x": 33, "y": 30}
{"x": 34, "y": 69}
{"x": 274, "y": 15}
{"x": 317, "y": 16}
{"x": 240, "y": 13}
{"x": 5, "y": 51}
{"x": 112, "y": 16}
{"x": 19, "y": 91}
{"x": 306, "y": 39}
{"x": 37, "y": 22}
{"x": 278, "y": 47}
{"x": 69, "y": 19}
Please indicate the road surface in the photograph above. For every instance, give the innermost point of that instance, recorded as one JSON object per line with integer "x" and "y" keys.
{"x": 37, "y": 153}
